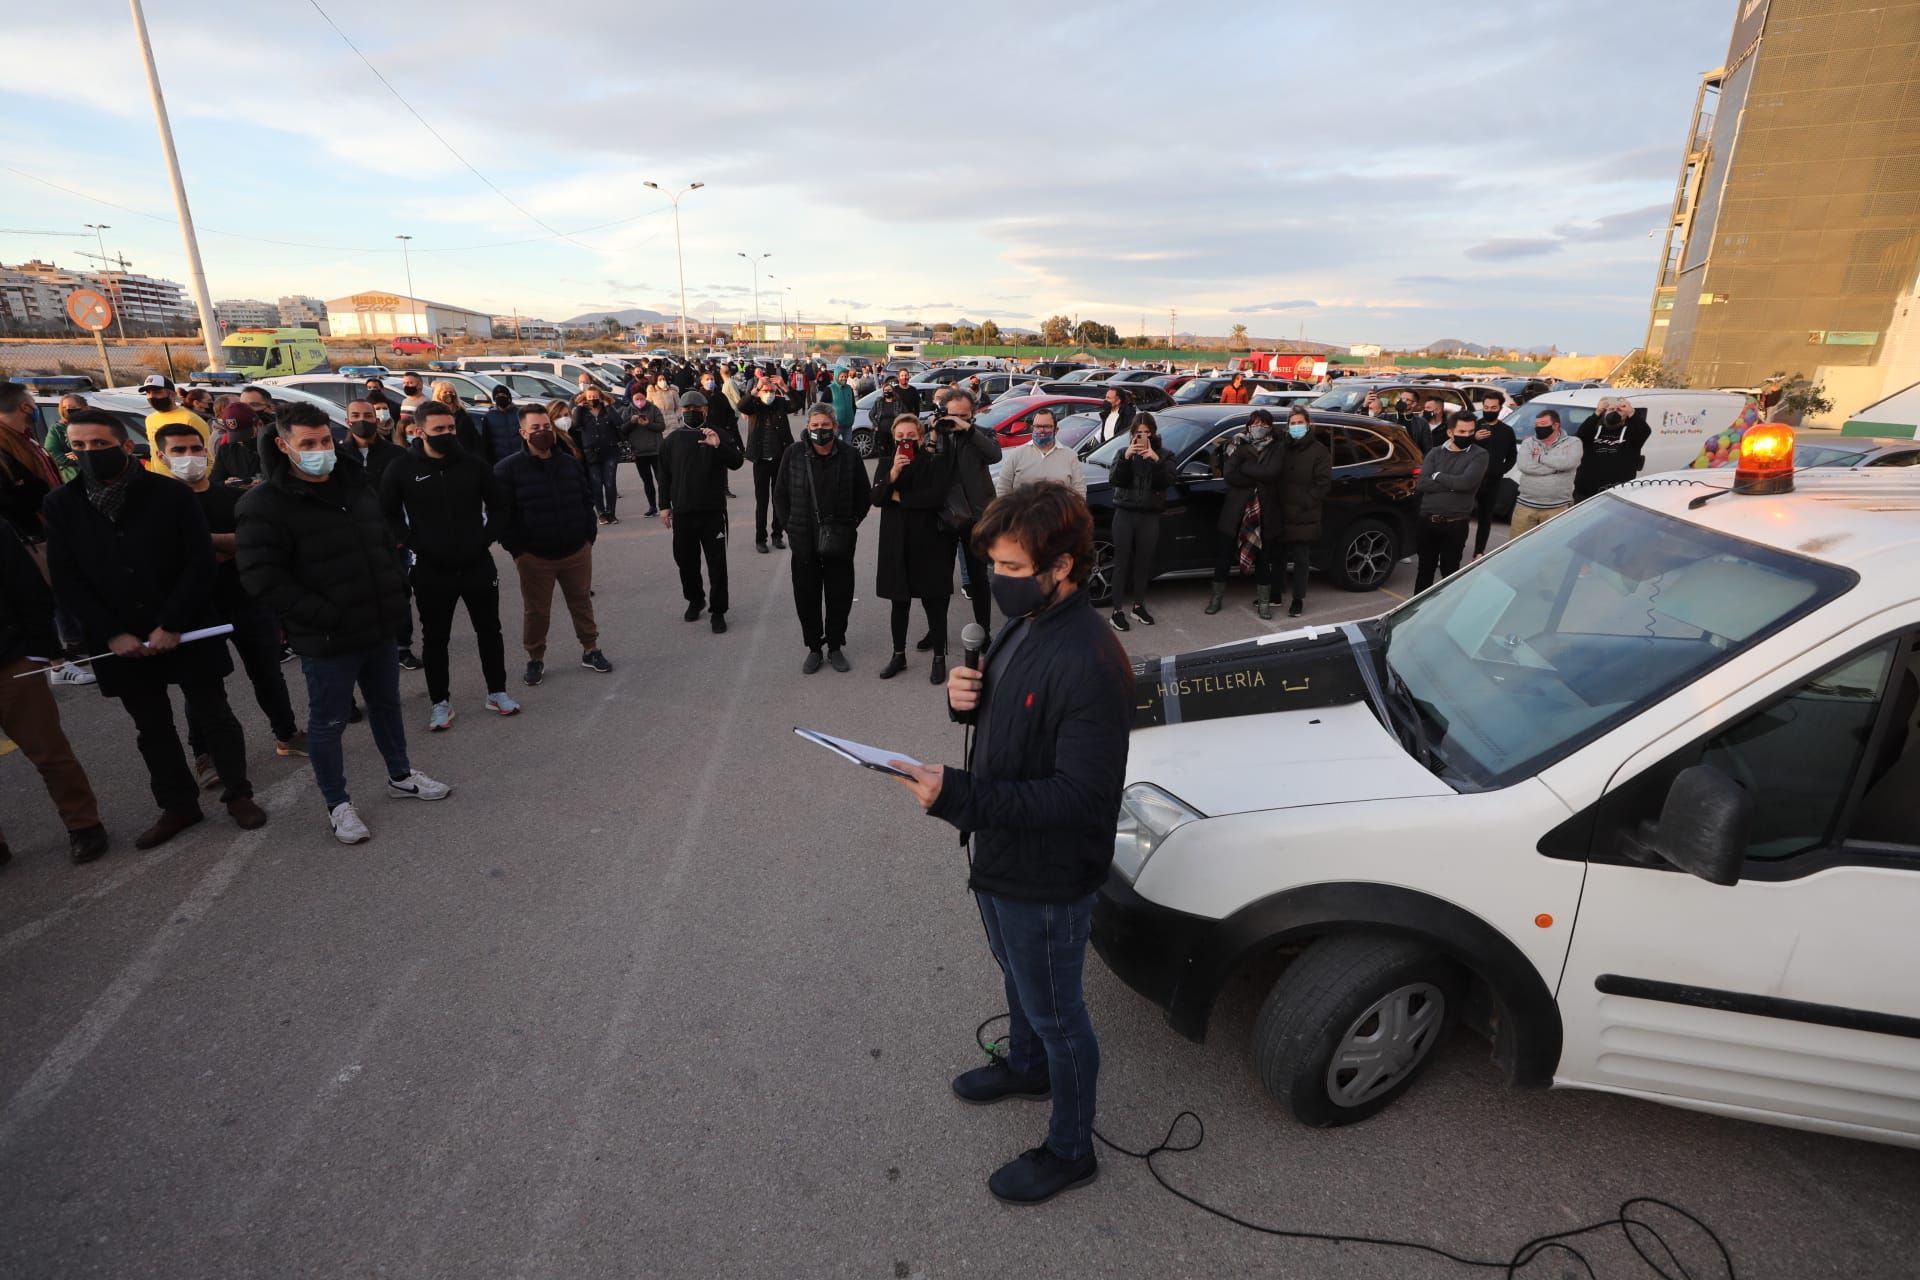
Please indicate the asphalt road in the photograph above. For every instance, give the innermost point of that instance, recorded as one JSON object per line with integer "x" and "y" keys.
{"x": 662, "y": 990}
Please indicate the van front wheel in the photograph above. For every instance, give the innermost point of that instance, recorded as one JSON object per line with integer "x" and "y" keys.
{"x": 1351, "y": 1023}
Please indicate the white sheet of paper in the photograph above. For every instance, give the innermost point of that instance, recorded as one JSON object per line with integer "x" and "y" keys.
{"x": 204, "y": 633}
{"x": 858, "y": 752}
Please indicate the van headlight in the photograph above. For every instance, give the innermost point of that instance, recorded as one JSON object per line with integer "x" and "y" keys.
{"x": 1148, "y": 816}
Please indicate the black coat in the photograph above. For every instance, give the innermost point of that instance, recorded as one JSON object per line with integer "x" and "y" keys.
{"x": 501, "y": 428}
{"x": 599, "y": 432}
{"x": 916, "y": 554}
{"x": 320, "y": 556}
{"x": 693, "y": 474}
{"x": 974, "y": 451}
{"x": 21, "y": 493}
{"x": 645, "y": 427}
{"x": 1610, "y": 455}
{"x": 26, "y": 604}
{"x": 546, "y": 505}
{"x": 445, "y": 510}
{"x": 1042, "y": 794}
{"x": 152, "y": 568}
{"x": 770, "y": 435}
{"x": 1140, "y": 484}
{"x": 1503, "y": 451}
{"x": 381, "y": 455}
{"x": 1293, "y": 479}
{"x": 840, "y": 481}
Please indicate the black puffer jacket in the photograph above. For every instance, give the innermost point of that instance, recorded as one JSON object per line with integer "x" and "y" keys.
{"x": 546, "y": 505}
{"x": 26, "y": 605}
{"x": 839, "y": 480}
{"x": 1042, "y": 793}
{"x": 770, "y": 436}
{"x": 1140, "y": 484}
{"x": 598, "y": 431}
{"x": 320, "y": 557}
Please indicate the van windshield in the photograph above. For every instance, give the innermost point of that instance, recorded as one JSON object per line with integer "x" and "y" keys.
{"x": 1531, "y": 654}
{"x": 245, "y": 357}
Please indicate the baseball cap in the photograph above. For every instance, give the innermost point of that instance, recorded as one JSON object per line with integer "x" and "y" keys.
{"x": 156, "y": 382}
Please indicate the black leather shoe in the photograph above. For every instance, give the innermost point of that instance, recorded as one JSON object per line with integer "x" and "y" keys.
{"x": 812, "y": 664}
{"x": 164, "y": 828}
{"x": 996, "y": 1083}
{"x": 718, "y": 622}
{"x": 838, "y": 660}
{"x": 1040, "y": 1175}
{"x": 761, "y": 546}
{"x": 939, "y": 673}
{"x": 895, "y": 665}
{"x": 247, "y": 815}
{"x": 925, "y": 643}
{"x": 87, "y": 844}
{"x": 779, "y": 542}
{"x": 693, "y": 612}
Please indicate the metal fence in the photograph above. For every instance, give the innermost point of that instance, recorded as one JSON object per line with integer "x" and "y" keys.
{"x": 128, "y": 362}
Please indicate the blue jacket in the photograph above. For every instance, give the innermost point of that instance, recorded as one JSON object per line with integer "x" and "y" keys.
{"x": 500, "y": 433}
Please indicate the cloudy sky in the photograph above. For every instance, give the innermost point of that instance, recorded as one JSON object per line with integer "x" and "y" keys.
{"x": 1395, "y": 173}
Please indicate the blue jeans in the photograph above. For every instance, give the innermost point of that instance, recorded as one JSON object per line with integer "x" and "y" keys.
{"x": 1042, "y": 950}
{"x": 603, "y": 478}
{"x": 330, "y": 682}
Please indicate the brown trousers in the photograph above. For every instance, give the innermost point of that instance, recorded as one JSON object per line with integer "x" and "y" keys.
{"x": 31, "y": 717}
{"x": 574, "y": 573}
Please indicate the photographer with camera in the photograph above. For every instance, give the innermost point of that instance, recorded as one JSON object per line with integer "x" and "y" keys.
{"x": 1036, "y": 805}
{"x": 974, "y": 452}
{"x": 768, "y": 439}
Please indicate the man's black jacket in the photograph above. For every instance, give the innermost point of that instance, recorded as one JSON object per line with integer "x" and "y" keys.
{"x": 445, "y": 509}
{"x": 839, "y": 480}
{"x": 546, "y": 505}
{"x": 693, "y": 474}
{"x": 320, "y": 556}
{"x": 770, "y": 436}
{"x": 26, "y": 604}
{"x": 1043, "y": 803}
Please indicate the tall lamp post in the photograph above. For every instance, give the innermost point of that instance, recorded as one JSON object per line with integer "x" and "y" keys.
{"x": 679, "y": 255}
{"x": 407, "y": 257}
{"x": 754, "y": 261}
{"x": 780, "y": 296}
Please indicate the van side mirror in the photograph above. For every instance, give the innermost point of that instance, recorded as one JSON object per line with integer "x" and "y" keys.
{"x": 1703, "y": 827}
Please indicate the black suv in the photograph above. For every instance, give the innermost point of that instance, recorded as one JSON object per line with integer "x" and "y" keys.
{"x": 1367, "y": 524}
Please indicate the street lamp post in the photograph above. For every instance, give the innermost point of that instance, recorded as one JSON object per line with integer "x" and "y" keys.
{"x": 679, "y": 256}
{"x": 754, "y": 261}
{"x": 406, "y": 256}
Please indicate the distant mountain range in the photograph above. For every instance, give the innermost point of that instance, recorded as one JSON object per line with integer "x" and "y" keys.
{"x": 1456, "y": 346}
{"x": 631, "y": 316}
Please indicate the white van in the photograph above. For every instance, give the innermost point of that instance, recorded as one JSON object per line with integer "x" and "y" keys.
{"x": 568, "y": 369}
{"x": 1690, "y": 428}
{"x": 1897, "y": 415}
{"x": 1637, "y": 796}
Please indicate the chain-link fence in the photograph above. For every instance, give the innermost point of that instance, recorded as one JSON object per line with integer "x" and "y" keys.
{"x": 128, "y": 362}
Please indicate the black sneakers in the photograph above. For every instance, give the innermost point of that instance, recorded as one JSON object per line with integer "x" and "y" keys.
{"x": 407, "y": 661}
{"x": 1039, "y": 1175}
{"x": 719, "y": 623}
{"x": 1120, "y": 622}
{"x": 87, "y": 844}
{"x": 812, "y": 664}
{"x": 995, "y": 1082}
{"x": 536, "y": 671}
{"x": 693, "y": 611}
{"x": 594, "y": 660}
{"x": 838, "y": 660}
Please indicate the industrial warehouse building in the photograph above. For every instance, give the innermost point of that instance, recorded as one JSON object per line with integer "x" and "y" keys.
{"x": 395, "y": 315}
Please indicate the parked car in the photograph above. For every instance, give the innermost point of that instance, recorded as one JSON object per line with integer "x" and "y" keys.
{"x": 406, "y": 346}
{"x": 1369, "y": 513}
{"x": 129, "y": 407}
{"x": 1143, "y": 395}
{"x": 1349, "y": 395}
{"x": 1278, "y": 400}
{"x": 1856, "y": 451}
{"x": 1206, "y": 390}
{"x": 1053, "y": 368}
{"x": 1011, "y": 420}
{"x": 1087, "y": 373}
{"x": 528, "y": 385}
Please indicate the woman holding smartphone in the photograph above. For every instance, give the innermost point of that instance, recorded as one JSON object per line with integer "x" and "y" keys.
{"x": 1140, "y": 477}
{"x": 910, "y": 487}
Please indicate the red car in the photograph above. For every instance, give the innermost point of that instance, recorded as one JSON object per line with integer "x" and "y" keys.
{"x": 1011, "y": 418}
{"x": 414, "y": 346}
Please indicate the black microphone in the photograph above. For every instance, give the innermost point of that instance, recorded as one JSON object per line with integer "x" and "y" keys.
{"x": 973, "y": 638}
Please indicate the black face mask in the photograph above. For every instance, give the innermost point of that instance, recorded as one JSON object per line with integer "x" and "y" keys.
{"x": 1022, "y": 597}
{"x": 446, "y": 446}
{"x": 821, "y": 435}
{"x": 693, "y": 417}
{"x": 363, "y": 430}
{"x": 1542, "y": 432}
{"x": 101, "y": 466}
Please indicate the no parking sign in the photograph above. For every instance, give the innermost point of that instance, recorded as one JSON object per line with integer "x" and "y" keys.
{"x": 89, "y": 309}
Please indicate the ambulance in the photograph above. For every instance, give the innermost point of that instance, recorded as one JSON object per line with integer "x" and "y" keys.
{"x": 265, "y": 353}
{"x": 1636, "y": 798}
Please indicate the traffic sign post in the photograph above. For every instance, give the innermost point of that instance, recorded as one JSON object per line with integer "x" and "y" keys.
{"x": 90, "y": 309}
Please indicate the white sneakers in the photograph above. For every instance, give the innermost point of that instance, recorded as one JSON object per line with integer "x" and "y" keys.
{"x": 70, "y": 673}
{"x": 418, "y": 786}
{"x": 345, "y": 819}
{"x": 347, "y": 827}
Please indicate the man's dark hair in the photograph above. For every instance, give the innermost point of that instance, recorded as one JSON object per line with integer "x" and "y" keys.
{"x": 960, "y": 393}
{"x": 11, "y": 394}
{"x": 1259, "y": 415}
{"x": 1047, "y": 519}
{"x": 530, "y": 410}
{"x": 1490, "y": 395}
{"x": 101, "y": 418}
{"x": 1467, "y": 416}
{"x": 295, "y": 416}
{"x": 431, "y": 409}
{"x": 1548, "y": 413}
{"x": 1050, "y": 415}
{"x": 173, "y": 431}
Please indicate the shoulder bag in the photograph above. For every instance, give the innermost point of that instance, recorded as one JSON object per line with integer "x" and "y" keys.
{"x": 830, "y": 541}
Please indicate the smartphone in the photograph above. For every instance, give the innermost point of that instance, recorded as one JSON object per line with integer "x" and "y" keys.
{"x": 910, "y": 448}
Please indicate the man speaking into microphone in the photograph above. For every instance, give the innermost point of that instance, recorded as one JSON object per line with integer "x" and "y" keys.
{"x": 1037, "y": 805}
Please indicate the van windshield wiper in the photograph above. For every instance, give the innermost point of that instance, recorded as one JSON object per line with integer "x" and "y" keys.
{"x": 1400, "y": 697}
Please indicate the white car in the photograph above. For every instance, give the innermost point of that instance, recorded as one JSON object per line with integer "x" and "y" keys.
{"x": 1634, "y": 796}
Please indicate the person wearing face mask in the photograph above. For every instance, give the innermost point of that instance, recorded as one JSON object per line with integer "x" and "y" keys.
{"x": 1037, "y": 803}
{"x": 694, "y": 461}
{"x": 164, "y": 408}
{"x": 314, "y": 548}
{"x": 378, "y": 457}
{"x": 1451, "y": 475}
{"x": 547, "y": 526}
{"x": 132, "y": 560}
{"x": 56, "y": 439}
{"x": 841, "y": 393}
{"x": 666, "y": 399}
{"x": 1139, "y": 478}
{"x": 236, "y": 458}
{"x": 500, "y": 427}
{"x": 256, "y": 634}
{"x": 974, "y": 452}
{"x": 1547, "y": 465}
{"x": 1502, "y": 450}
{"x": 1116, "y": 420}
{"x": 412, "y": 392}
{"x": 386, "y": 408}
{"x": 1238, "y": 533}
{"x": 1429, "y": 430}
{"x": 600, "y": 433}
{"x": 645, "y": 430}
{"x": 916, "y": 548}
{"x": 768, "y": 438}
{"x": 820, "y": 497}
{"x": 1611, "y": 442}
{"x": 1295, "y": 480}
{"x": 1041, "y": 458}
{"x": 443, "y": 506}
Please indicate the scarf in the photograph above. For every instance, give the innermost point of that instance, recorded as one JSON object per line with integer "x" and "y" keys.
{"x": 1249, "y": 533}
{"x": 26, "y": 452}
{"x": 110, "y": 499}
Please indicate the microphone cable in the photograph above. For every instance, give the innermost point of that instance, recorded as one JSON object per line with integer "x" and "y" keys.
{"x": 1645, "y": 1238}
